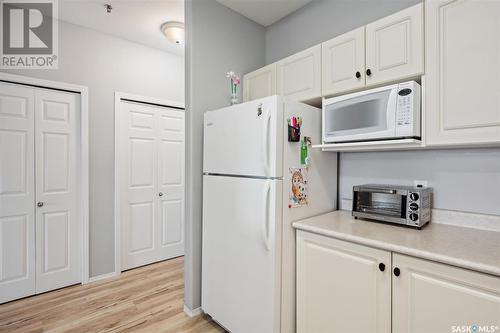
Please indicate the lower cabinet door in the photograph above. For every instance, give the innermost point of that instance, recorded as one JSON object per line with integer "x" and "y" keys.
{"x": 433, "y": 297}
{"x": 341, "y": 286}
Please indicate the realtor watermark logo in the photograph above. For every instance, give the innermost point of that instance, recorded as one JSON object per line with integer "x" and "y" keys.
{"x": 29, "y": 34}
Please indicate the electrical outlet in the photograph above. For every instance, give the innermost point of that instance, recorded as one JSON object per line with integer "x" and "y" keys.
{"x": 420, "y": 183}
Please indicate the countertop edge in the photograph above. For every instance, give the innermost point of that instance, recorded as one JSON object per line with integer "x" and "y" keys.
{"x": 492, "y": 270}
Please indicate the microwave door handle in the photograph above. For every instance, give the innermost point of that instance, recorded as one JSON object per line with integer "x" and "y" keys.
{"x": 377, "y": 190}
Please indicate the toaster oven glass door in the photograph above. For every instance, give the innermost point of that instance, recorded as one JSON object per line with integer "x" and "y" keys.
{"x": 380, "y": 203}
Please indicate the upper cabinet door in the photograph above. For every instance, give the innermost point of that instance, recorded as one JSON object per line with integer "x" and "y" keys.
{"x": 259, "y": 83}
{"x": 424, "y": 289}
{"x": 343, "y": 62}
{"x": 395, "y": 46}
{"x": 463, "y": 72}
{"x": 299, "y": 75}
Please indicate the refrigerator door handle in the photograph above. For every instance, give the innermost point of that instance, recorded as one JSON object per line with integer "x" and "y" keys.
{"x": 265, "y": 142}
{"x": 266, "y": 216}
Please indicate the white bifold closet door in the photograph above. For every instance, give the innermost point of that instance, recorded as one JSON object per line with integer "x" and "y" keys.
{"x": 57, "y": 181}
{"x": 40, "y": 223}
{"x": 151, "y": 184}
{"x": 17, "y": 192}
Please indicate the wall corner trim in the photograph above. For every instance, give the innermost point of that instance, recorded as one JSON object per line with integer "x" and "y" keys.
{"x": 104, "y": 277}
{"x": 193, "y": 313}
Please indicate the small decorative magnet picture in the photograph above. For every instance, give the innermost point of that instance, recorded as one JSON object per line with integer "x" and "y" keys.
{"x": 298, "y": 187}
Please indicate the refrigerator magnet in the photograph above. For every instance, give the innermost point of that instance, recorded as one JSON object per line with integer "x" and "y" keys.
{"x": 298, "y": 187}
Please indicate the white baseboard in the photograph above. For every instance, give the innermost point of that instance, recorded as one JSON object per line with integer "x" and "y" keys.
{"x": 193, "y": 313}
{"x": 103, "y": 277}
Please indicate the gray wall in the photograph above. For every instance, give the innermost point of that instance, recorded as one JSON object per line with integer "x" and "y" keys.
{"x": 463, "y": 179}
{"x": 106, "y": 64}
{"x": 321, "y": 20}
{"x": 218, "y": 40}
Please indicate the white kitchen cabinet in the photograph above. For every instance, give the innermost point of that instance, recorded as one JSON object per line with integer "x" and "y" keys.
{"x": 395, "y": 46}
{"x": 259, "y": 83}
{"x": 343, "y": 63}
{"x": 463, "y": 72}
{"x": 433, "y": 297}
{"x": 388, "y": 50}
{"x": 341, "y": 287}
{"x": 299, "y": 75}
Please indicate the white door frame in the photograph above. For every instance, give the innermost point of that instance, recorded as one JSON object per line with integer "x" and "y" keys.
{"x": 119, "y": 96}
{"x": 84, "y": 151}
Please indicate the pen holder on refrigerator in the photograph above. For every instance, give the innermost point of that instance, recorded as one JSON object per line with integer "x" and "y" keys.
{"x": 293, "y": 134}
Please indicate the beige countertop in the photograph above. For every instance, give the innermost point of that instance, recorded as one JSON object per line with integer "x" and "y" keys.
{"x": 469, "y": 248}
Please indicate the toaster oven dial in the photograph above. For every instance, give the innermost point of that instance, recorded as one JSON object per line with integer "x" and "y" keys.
{"x": 413, "y": 206}
{"x": 413, "y": 217}
{"x": 414, "y": 196}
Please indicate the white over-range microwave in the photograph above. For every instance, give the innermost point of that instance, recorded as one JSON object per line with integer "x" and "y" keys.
{"x": 385, "y": 113}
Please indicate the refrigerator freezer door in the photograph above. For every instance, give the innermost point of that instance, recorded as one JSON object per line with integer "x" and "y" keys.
{"x": 244, "y": 139}
{"x": 241, "y": 251}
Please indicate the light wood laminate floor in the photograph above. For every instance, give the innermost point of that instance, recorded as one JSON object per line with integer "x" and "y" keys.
{"x": 146, "y": 299}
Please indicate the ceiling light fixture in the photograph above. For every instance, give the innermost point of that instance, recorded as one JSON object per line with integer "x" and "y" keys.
{"x": 174, "y": 31}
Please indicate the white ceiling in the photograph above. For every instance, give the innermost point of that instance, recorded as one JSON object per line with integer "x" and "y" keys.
{"x": 135, "y": 20}
{"x": 264, "y": 12}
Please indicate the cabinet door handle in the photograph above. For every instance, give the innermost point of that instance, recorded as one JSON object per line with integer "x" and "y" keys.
{"x": 358, "y": 75}
{"x": 160, "y": 194}
{"x": 397, "y": 271}
{"x": 381, "y": 266}
{"x": 368, "y": 72}
{"x": 39, "y": 204}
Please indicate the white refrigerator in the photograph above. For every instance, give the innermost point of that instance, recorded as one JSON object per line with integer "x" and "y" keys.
{"x": 248, "y": 250}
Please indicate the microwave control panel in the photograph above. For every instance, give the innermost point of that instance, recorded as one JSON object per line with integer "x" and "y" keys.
{"x": 408, "y": 110}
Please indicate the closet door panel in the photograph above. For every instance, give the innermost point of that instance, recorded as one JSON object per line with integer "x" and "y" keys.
{"x": 58, "y": 230}
{"x": 139, "y": 190}
{"x": 17, "y": 222}
{"x": 151, "y": 184}
{"x": 171, "y": 183}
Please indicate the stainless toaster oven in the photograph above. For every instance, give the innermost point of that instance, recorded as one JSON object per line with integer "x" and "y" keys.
{"x": 406, "y": 205}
